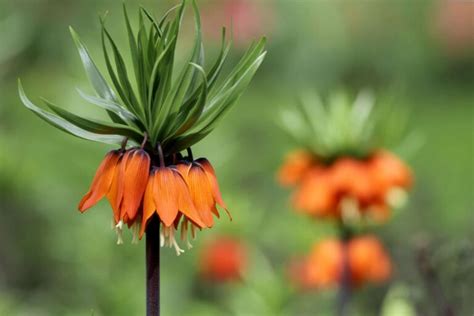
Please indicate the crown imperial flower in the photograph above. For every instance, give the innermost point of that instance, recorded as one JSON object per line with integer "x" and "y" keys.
{"x": 341, "y": 172}
{"x": 367, "y": 261}
{"x": 167, "y": 111}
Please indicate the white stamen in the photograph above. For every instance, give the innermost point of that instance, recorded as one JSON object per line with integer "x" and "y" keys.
{"x": 350, "y": 210}
{"x": 162, "y": 239}
{"x": 135, "y": 230}
{"x": 169, "y": 240}
{"x": 396, "y": 197}
{"x": 118, "y": 230}
{"x": 188, "y": 244}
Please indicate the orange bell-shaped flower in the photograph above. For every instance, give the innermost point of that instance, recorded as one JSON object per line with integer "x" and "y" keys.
{"x": 167, "y": 195}
{"x": 103, "y": 180}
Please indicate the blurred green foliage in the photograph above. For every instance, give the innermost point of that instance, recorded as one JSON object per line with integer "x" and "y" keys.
{"x": 53, "y": 261}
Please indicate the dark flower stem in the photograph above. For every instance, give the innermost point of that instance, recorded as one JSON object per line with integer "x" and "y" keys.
{"x": 432, "y": 283}
{"x": 153, "y": 267}
{"x": 344, "y": 295}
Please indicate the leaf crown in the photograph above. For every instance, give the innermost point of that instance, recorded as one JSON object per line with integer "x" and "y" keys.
{"x": 340, "y": 126}
{"x": 175, "y": 108}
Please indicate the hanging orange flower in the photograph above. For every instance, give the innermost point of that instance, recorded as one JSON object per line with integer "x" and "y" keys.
{"x": 366, "y": 258}
{"x": 103, "y": 180}
{"x": 167, "y": 195}
{"x": 224, "y": 259}
{"x": 185, "y": 194}
{"x": 349, "y": 187}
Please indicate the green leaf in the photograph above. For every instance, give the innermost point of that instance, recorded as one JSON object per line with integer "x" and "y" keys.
{"x": 127, "y": 90}
{"x": 221, "y": 103}
{"x": 95, "y": 126}
{"x": 190, "y": 112}
{"x": 101, "y": 86}
{"x": 65, "y": 125}
{"x": 109, "y": 105}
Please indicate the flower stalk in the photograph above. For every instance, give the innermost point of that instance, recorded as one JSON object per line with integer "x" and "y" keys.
{"x": 157, "y": 110}
{"x": 153, "y": 267}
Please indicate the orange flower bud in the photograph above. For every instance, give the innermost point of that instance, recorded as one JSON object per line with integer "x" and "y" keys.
{"x": 102, "y": 181}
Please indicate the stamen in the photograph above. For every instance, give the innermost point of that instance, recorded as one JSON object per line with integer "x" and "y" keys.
{"x": 135, "y": 229}
{"x": 118, "y": 230}
{"x": 350, "y": 211}
{"x": 184, "y": 233}
{"x": 169, "y": 239}
{"x": 184, "y": 230}
{"x": 188, "y": 244}
{"x": 396, "y": 197}
{"x": 162, "y": 239}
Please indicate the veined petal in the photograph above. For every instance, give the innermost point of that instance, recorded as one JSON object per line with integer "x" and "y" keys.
{"x": 185, "y": 202}
{"x": 149, "y": 207}
{"x": 135, "y": 182}
{"x": 211, "y": 175}
{"x": 121, "y": 178}
{"x": 112, "y": 194}
{"x": 102, "y": 181}
{"x": 165, "y": 195}
{"x": 201, "y": 193}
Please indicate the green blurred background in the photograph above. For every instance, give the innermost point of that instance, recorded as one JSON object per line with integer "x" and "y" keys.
{"x": 415, "y": 55}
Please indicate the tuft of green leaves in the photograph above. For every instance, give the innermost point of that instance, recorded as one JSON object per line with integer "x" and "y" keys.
{"x": 344, "y": 127}
{"x": 174, "y": 107}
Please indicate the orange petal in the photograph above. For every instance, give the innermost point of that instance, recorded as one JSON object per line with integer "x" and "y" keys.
{"x": 165, "y": 195}
{"x": 112, "y": 194}
{"x": 148, "y": 203}
{"x": 102, "y": 181}
{"x": 201, "y": 193}
{"x": 121, "y": 180}
{"x": 211, "y": 175}
{"x": 296, "y": 165}
{"x": 185, "y": 202}
{"x": 135, "y": 182}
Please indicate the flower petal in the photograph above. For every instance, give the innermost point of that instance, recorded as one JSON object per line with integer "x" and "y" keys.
{"x": 148, "y": 203}
{"x": 135, "y": 182}
{"x": 165, "y": 195}
{"x": 201, "y": 193}
{"x": 112, "y": 194}
{"x": 211, "y": 175}
{"x": 101, "y": 182}
{"x": 185, "y": 202}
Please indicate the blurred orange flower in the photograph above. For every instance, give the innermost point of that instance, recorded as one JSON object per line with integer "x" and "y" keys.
{"x": 224, "y": 259}
{"x": 296, "y": 165}
{"x": 185, "y": 194}
{"x": 347, "y": 187}
{"x": 366, "y": 258}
